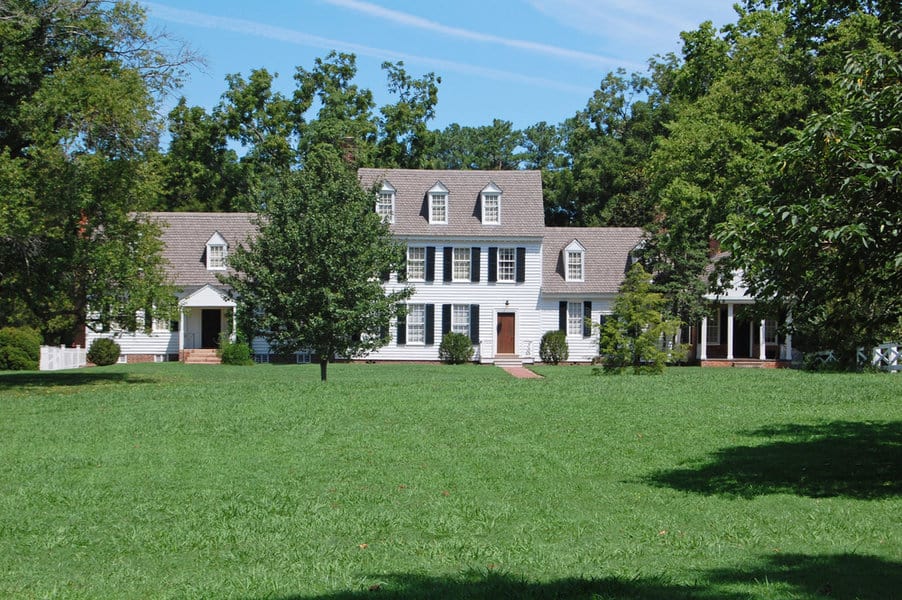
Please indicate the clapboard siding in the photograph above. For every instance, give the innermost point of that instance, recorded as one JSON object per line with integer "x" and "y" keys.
{"x": 140, "y": 343}
{"x": 582, "y": 349}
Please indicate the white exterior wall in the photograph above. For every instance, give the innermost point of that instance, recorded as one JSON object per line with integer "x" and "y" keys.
{"x": 582, "y": 349}
{"x": 492, "y": 298}
{"x": 140, "y": 342}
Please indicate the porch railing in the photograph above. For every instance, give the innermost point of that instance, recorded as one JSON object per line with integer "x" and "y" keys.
{"x": 885, "y": 357}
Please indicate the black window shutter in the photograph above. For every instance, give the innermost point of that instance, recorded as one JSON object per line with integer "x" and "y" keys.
{"x": 722, "y": 322}
{"x": 430, "y": 263}
{"x": 493, "y": 264}
{"x": 474, "y": 323}
{"x": 562, "y": 316}
{"x": 430, "y": 324}
{"x": 521, "y": 265}
{"x": 447, "y": 253}
{"x": 474, "y": 263}
{"x": 446, "y": 318}
{"x": 587, "y": 318}
{"x": 383, "y": 333}
{"x": 385, "y": 275}
{"x": 402, "y": 330}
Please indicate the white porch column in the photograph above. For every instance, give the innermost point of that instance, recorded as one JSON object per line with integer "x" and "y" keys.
{"x": 234, "y": 335}
{"x": 762, "y": 351}
{"x": 788, "y": 343}
{"x": 181, "y": 330}
{"x": 730, "y": 308}
{"x": 703, "y": 340}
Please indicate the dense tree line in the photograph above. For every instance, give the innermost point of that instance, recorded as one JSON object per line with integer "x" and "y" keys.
{"x": 775, "y": 137}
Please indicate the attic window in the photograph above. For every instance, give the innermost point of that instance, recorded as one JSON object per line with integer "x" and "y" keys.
{"x": 491, "y": 205}
{"x": 217, "y": 252}
{"x": 385, "y": 203}
{"x": 574, "y": 261}
{"x": 438, "y": 204}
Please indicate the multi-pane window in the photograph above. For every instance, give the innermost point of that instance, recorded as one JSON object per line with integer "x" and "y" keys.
{"x": 574, "y": 318}
{"x": 461, "y": 265}
{"x": 416, "y": 323}
{"x": 416, "y": 263}
{"x": 438, "y": 207}
{"x": 713, "y": 330}
{"x": 385, "y": 206}
{"x": 216, "y": 255}
{"x": 507, "y": 264}
{"x": 491, "y": 208}
{"x": 770, "y": 331}
{"x": 574, "y": 265}
{"x": 460, "y": 319}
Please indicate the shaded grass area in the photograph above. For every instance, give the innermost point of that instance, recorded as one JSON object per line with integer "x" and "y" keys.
{"x": 429, "y": 481}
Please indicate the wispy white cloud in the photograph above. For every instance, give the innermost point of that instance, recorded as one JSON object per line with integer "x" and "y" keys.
{"x": 409, "y": 20}
{"x": 291, "y": 36}
{"x": 634, "y": 21}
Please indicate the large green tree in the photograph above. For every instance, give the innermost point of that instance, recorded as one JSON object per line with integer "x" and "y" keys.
{"x": 824, "y": 241}
{"x": 311, "y": 279}
{"x": 80, "y": 85}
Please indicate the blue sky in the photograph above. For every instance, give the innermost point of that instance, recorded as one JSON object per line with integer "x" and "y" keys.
{"x": 523, "y": 61}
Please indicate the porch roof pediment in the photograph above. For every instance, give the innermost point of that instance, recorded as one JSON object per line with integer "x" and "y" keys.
{"x": 207, "y": 297}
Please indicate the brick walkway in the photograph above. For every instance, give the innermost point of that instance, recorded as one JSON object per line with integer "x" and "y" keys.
{"x": 522, "y": 373}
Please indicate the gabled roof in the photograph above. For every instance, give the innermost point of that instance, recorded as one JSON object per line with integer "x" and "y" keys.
{"x": 185, "y": 236}
{"x": 605, "y": 261}
{"x": 522, "y": 212}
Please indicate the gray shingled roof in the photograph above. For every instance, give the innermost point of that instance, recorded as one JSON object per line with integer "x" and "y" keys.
{"x": 606, "y": 258}
{"x": 185, "y": 236}
{"x": 522, "y": 212}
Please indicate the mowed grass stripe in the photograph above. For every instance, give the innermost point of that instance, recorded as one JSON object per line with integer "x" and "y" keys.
{"x": 422, "y": 481}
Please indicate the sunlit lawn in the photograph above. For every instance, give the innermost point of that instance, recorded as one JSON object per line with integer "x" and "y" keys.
{"x": 433, "y": 481}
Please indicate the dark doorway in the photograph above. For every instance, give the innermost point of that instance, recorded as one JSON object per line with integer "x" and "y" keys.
{"x": 506, "y": 322}
{"x": 211, "y": 326}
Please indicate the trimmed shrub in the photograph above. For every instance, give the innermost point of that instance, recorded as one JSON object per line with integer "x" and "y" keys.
{"x": 103, "y": 352}
{"x": 455, "y": 349}
{"x": 20, "y": 349}
{"x": 234, "y": 353}
{"x": 553, "y": 348}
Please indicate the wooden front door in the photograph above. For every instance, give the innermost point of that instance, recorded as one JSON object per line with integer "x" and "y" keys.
{"x": 505, "y": 330}
{"x": 211, "y": 325}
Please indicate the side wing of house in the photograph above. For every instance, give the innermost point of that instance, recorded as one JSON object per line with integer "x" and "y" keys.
{"x": 583, "y": 268}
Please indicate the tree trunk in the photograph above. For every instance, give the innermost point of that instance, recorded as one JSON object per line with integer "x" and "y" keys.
{"x": 323, "y": 365}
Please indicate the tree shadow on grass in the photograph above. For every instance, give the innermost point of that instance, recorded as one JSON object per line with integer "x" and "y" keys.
{"x": 837, "y": 459}
{"x": 792, "y": 575}
{"x": 67, "y": 378}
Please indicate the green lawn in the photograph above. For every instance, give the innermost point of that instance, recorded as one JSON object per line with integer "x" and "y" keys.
{"x": 433, "y": 481}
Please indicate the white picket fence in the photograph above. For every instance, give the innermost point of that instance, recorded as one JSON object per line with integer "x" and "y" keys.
{"x": 885, "y": 357}
{"x": 55, "y": 358}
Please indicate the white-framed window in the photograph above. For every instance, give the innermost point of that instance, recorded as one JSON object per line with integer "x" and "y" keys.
{"x": 416, "y": 263}
{"x": 713, "y": 330}
{"x": 460, "y": 265}
{"x": 438, "y": 204}
{"x": 416, "y": 323}
{"x": 574, "y": 318}
{"x": 507, "y": 264}
{"x": 161, "y": 325}
{"x": 385, "y": 203}
{"x": 302, "y": 357}
{"x": 460, "y": 319}
{"x": 770, "y": 331}
{"x": 574, "y": 255}
{"x": 217, "y": 252}
{"x": 491, "y": 205}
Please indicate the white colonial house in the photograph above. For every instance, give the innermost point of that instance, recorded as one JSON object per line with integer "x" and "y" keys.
{"x": 479, "y": 258}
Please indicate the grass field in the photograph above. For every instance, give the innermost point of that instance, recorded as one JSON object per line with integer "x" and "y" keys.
{"x": 173, "y": 481}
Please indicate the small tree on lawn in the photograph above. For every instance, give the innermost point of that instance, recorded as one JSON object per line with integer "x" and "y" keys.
{"x": 631, "y": 336}
{"x": 312, "y": 277}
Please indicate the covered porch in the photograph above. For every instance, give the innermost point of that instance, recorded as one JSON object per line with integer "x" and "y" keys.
{"x": 203, "y": 316}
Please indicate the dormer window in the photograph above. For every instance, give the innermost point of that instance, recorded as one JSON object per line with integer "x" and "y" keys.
{"x": 438, "y": 204}
{"x": 385, "y": 203}
{"x": 491, "y": 205}
{"x": 217, "y": 252}
{"x": 574, "y": 261}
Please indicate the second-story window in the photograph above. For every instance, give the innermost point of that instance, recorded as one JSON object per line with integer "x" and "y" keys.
{"x": 416, "y": 263}
{"x": 507, "y": 265}
{"x": 461, "y": 265}
{"x": 574, "y": 255}
{"x": 217, "y": 252}
{"x": 491, "y": 205}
